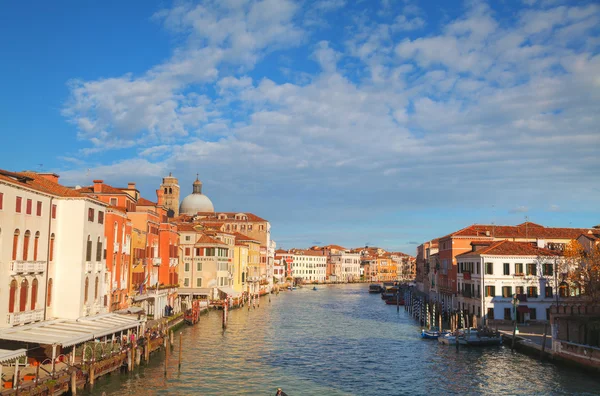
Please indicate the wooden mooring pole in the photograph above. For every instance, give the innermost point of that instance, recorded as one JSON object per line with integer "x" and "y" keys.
{"x": 179, "y": 365}
{"x": 512, "y": 348}
{"x": 544, "y": 341}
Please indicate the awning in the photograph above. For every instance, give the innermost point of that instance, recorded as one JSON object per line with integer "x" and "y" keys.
{"x": 7, "y": 355}
{"x": 195, "y": 291}
{"x": 229, "y": 291}
{"x": 68, "y": 332}
{"x": 523, "y": 309}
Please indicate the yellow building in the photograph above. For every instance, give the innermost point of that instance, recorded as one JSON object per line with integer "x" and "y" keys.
{"x": 253, "y": 262}
{"x": 240, "y": 267}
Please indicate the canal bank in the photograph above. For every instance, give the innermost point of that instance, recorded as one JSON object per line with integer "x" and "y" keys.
{"x": 338, "y": 340}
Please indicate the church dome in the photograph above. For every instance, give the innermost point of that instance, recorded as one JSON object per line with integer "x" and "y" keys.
{"x": 196, "y": 201}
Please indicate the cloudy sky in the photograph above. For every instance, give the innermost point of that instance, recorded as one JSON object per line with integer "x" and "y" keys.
{"x": 352, "y": 122}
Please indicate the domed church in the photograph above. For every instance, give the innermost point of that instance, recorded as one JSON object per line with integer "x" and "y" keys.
{"x": 196, "y": 201}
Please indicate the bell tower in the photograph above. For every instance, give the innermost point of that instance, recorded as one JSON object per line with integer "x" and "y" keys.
{"x": 168, "y": 195}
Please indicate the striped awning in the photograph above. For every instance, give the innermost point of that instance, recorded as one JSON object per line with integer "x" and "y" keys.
{"x": 7, "y": 355}
{"x": 68, "y": 332}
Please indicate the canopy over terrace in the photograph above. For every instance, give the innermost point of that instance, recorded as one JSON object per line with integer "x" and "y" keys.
{"x": 67, "y": 332}
{"x": 7, "y": 355}
{"x": 229, "y": 292}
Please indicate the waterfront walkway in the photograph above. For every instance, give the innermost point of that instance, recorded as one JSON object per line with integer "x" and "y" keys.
{"x": 532, "y": 333}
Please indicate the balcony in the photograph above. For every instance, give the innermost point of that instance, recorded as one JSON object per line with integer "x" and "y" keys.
{"x": 99, "y": 266}
{"x": 18, "y": 318}
{"x": 156, "y": 261}
{"x": 89, "y": 266}
{"x": 116, "y": 249}
{"x": 27, "y": 267}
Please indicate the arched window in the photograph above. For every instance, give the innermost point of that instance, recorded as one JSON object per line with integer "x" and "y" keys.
{"x": 99, "y": 250}
{"x": 116, "y": 233}
{"x": 563, "y": 289}
{"x": 34, "y": 292}
{"x": 96, "y": 289}
{"x": 26, "y": 244}
{"x": 165, "y": 190}
{"x": 35, "y": 245}
{"x": 23, "y": 295}
{"x": 170, "y": 190}
{"x": 49, "y": 293}
{"x": 12, "y": 296}
{"x": 86, "y": 290}
{"x": 51, "y": 247}
{"x": 15, "y": 244}
{"x": 88, "y": 249}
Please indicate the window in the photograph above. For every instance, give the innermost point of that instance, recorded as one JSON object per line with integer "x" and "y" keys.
{"x": 187, "y": 251}
{"x": 532, "y": 313}
{"x": 198, "y": 282}
{"x": 186, "y": 282}
{"x": 531, "y": 269}
{"x": 548, "y": 292}
{"x": 96, "y": 289}
{"x": 548, "y": 269}
{"x": 38, "y": 209}
{"x": 520, "y": 290}
{"x": 18, "y": 204}
{"x": 198, "y": 266}
{"x": 35, "y": 245}
{"x": 12, "y": 297}
{"x": 86, "y": 290}
{"x": 26, "y": 245}
{"x": 29, "y": 206}
{"x": 563, "y": 290}
{"x": 1, "y": 200}
{"x": 54, "y": 211}
{"x": 506, "y": 291}
{"x": 90, "y": 214}
{"x": 188, "y": 238}
{"x": 15, "y": 243}
{"x": 490, "y": 313}
{"x": 49, "y": 293}
{"x": 51, "y": 247}
{"x": 490, "y": 291}
{"x": 186, "y": 267}
{"x": 88, "y": 249}
{"x": 100, "y": 217}
{"x": 489, "y": 268}
{"x": 99, "y": 249}
{"x": 507, "y": 314}
{"x": 532, "y": 291}
{"x": 518, "y": 268}
{"x": 34, "y": 293}
{"x": 23, "y": 295}
{"x": 506, "y": 268}
{"x": 113, "y": 202}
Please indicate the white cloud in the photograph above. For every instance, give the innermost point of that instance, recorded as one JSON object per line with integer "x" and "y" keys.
{"x": 519, "y": 209}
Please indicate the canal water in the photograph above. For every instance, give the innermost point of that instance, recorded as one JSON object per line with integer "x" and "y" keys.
{"x": 338, "y": 340}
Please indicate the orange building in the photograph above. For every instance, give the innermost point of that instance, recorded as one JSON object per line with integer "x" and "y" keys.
{"x": 117, "y": 232}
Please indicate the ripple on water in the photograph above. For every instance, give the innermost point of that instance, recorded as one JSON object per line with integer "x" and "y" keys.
{"x": 337, "y": 341}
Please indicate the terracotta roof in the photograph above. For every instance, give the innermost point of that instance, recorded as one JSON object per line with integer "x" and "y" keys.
{"x": 524, "y": 230}
{"x": 104, "y": 189}
{"x": 509, "y": 248}
{"x": 242, "y": 237}
{"x": 231, "y": 216}
{"x": 39, "y": 183}
{"x": 186, "y": 227}
{"x": 208, "y": 240}
{"x": 145, "y": 202}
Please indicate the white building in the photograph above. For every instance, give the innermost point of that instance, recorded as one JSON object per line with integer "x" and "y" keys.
{"x": 51, "y": 239}
{"x": 346, "y": 266}
{"x": 307, "y": 265}
{"x": 493, "y": 272}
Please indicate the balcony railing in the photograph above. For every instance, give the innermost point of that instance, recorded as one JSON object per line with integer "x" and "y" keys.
{"x": 18, "y": 318}
{"x": 26, "y": 267}
{"x": 117, "y": 245}
{"x": 89, "y": 266}
{"x": 99, "y": 266}
{"x": 156, "y": 261}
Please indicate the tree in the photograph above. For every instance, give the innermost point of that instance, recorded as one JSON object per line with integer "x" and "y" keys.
{"x": 582, "y": 268}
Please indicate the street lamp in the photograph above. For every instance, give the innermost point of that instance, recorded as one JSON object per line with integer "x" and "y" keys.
{"x": 515, "y": 303}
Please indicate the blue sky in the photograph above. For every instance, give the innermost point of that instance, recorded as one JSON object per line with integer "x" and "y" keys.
{"x": 351, "y": 122}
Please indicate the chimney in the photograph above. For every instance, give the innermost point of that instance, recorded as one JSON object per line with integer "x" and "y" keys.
{"x": 98, "y": 186}
{"x": 160, "y": 200}
{"x": 53, "y": 177}
{"x": 131, "y": 186}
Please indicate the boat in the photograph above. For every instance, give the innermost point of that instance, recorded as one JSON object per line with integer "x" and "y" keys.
{"x": 393, "y": 301}
{"x": 432, "y": 334}
{"x": 375, "y": 289}
{"x": 448, "y": 339}
{"x": 479, "y": 337}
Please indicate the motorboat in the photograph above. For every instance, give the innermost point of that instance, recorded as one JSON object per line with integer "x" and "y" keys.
{"x": 432, "y": 334}
{"x": 479, "y": 337}
{"x": 448, "y": 339}
{"x": 375, "y": 289}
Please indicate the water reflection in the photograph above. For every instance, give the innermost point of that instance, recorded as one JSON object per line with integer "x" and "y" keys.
{"x": 339, "y": 340}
